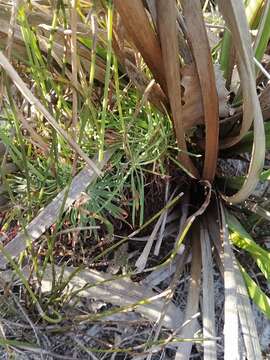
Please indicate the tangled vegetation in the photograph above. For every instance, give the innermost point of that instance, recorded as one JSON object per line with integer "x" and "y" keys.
{"x": 134, "y": 200}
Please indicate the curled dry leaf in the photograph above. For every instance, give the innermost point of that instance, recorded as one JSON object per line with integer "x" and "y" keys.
{"x": 234, "y": 14}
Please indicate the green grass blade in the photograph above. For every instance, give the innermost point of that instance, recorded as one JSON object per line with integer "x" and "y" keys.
{"x": 225, "y": 54}
{"x": 263, "y": 33}
{"x": 256, "y": 294}
{"x": 243, "y": 240}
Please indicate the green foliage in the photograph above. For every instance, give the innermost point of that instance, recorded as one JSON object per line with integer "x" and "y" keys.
{"x": 243, "y": 240}
{"x": 256, "y": 294}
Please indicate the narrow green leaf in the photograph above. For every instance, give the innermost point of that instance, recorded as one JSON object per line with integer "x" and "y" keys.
{"x": 265, "y": 175}
{"x": 263, "y": 33}
{"x": 243, "y": 240}
{"x": 225, "y": 53}
{"x": 256, "y": 294}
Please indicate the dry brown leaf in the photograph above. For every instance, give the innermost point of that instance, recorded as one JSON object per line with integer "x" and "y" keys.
{"x": 168, "y": 37}
{"x": 198, "y": 40}
{"x": 192, "y": 98}
{"x": 127, "y": 58}
{"x": 138, "y": 26}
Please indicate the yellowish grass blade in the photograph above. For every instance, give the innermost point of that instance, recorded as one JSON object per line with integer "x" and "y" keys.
{"x": 74, "y": 67}
{"x": 74, "y": 64}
